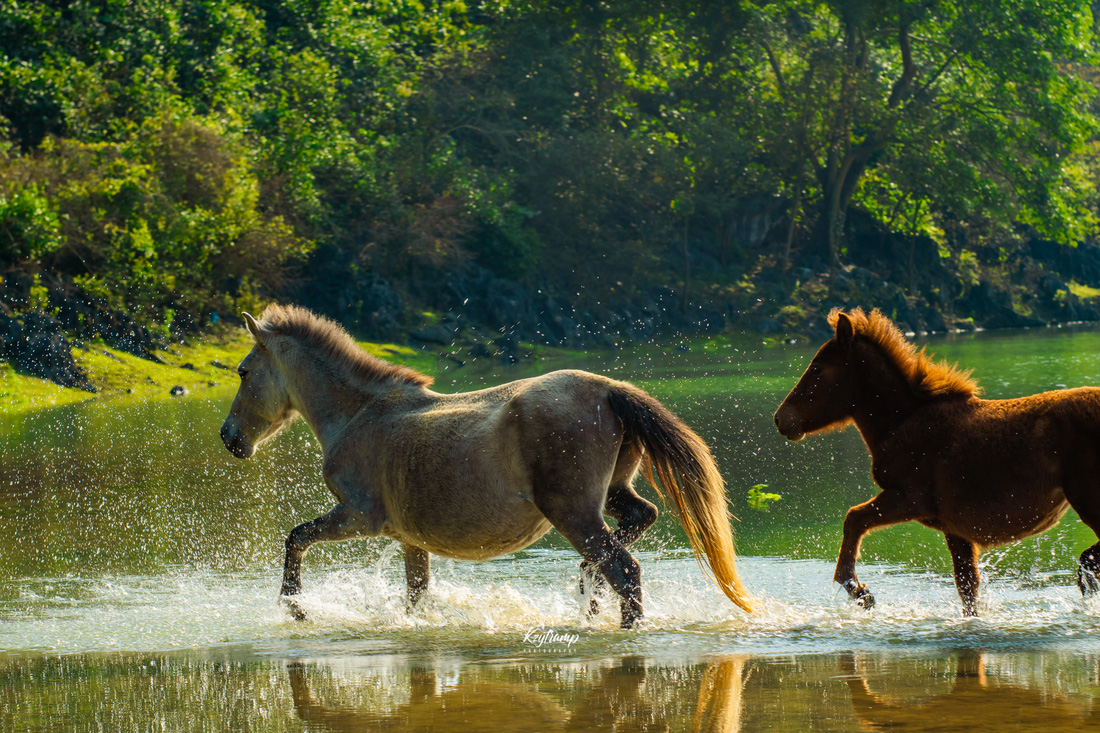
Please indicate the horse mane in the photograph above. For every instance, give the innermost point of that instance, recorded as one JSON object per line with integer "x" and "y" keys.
{"x": 334, "y": 346}
{"x": 927, "y": 377}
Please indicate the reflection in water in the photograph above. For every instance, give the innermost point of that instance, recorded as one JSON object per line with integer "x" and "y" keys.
{"x": 240, "y": 690}
{"x": 975, "y": 698}
{"x": 617, "y": 697}
{"x": 719, "y": 707}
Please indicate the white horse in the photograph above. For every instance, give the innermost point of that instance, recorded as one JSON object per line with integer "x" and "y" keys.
{"x": 479, "y": 474}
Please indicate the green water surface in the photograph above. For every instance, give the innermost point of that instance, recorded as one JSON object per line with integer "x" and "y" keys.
{"x": 139, "y": 564}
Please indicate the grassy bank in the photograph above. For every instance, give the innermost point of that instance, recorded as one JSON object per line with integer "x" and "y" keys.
{"x": 197, "y": 364}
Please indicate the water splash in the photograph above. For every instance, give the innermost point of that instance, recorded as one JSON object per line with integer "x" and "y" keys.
{"x": 473, "y": 607}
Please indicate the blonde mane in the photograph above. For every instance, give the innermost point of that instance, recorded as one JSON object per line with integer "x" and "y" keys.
{"x": 333, "y": 346}
{"x": 928, "y": 378}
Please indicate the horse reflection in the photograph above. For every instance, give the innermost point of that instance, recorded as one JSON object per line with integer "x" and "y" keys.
{"x": 622, "y": 698}
{"x": 976, "y": 701}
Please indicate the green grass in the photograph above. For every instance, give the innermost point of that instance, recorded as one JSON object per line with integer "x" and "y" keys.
{"x": 1084, "y": 292}
{"x": 113, "y": 372}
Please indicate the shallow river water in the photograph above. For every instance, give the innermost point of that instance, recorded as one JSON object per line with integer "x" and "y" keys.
{"x": 140, "y": 562}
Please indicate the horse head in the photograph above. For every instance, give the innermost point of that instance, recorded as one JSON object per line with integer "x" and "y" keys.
{"x": 823, "y": 396}
{"x": 262, "y": 405}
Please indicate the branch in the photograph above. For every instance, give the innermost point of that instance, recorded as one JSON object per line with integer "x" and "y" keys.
{"x": 939, "y": 72}
{"x": 779, "y": 82}
{"x": 908, "y": 69}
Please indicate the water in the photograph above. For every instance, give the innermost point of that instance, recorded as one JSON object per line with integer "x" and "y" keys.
{"x": 141, "y": 564}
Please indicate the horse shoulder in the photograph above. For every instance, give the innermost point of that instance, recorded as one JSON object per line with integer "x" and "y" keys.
{"x": 351, "y": 470}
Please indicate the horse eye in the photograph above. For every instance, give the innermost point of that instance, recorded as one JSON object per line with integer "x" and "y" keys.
{"x": 815, "y": 369}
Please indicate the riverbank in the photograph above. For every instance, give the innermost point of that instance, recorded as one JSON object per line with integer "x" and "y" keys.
{"x": 192, "y": 365}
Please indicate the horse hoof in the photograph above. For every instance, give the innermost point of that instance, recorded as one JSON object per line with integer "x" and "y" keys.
{"x": 293, "y": 607}
{"x": 864, "y": 599}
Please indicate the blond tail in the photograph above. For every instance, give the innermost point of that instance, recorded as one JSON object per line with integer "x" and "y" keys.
{"x": 684, "y": 466}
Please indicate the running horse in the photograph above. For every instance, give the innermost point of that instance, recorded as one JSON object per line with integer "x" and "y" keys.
{"x": 479, "y": 474}
{"x": 982, "y": 472}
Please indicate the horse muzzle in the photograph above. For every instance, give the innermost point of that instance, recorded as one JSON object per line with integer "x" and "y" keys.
{"x": 790, "y": 427}
{"x": 235, "y": 441}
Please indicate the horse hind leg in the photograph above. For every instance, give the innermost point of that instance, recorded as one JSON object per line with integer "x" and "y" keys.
{"x": 417, "y": 572}
{"x": 621, "y": 571}
{"x": 1088, "y": 571}
{"x": 633, "y": 516}
{"x": 1082, "y": 498}
{"x": 964, "y": 556}
{"x": 596, "y": 543}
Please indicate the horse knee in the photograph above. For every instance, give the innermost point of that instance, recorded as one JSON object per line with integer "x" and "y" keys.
{"x": 645, "y": 514}
{"x": 633, "y": 513}
{"x": 299, "y": 540}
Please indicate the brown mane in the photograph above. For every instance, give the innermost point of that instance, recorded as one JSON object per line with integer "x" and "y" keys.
{"x": 332, "y": 343}
{"x": 928, "y": 378}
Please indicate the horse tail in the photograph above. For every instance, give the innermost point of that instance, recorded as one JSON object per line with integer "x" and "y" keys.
{"x": 684, "y": 466}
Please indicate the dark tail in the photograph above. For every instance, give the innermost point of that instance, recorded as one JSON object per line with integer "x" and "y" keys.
{"x": 684, "y": 466}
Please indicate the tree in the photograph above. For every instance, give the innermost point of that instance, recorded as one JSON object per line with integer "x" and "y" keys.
{"x": 985, "y": 94}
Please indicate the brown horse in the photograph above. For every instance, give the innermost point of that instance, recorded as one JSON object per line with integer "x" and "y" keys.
{"x": 479, "y": 474}
{"x": 983, "y": 472}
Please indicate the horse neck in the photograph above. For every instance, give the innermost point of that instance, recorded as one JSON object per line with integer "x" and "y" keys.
{"x": 328, "y": 402}
{"x": 884, "y": 398}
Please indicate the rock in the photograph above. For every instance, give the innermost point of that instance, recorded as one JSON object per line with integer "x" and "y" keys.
{"x": 934, "y": 322}
{"x": 507, "y": 349}
{"x": 769, "y": 325}
{"x": 1008, "y": 318}
{"x": 37, "y": 346}
{"x": 480, "y": 351}
{"x": 179, "y": 391}
{"x": 437, "y": 334}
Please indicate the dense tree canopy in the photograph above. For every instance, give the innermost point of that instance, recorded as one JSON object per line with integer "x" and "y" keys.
{"x": 183, "y": 157}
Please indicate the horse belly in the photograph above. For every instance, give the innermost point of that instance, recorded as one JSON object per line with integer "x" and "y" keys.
{"x": 482, "y": 509}
{"x": 1013, "y": 517}
{"x": 475, "y": 530}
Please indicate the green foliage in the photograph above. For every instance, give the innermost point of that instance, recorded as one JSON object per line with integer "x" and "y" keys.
{"x": 29, "y": 225}
{"x": 38, "y": 298}
{"x": 190, "y": 155}
{"x": 761, "y": 500}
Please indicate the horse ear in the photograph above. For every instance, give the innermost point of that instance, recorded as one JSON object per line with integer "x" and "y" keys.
{"x": 845, "y": 331}
{"x": 253, "y": 327}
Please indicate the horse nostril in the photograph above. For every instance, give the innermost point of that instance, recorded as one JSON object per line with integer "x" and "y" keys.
{"x": 775, "y": 419}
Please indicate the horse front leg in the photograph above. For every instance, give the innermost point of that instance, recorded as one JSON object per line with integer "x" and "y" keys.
{"x": 964, "y": 555}
{"x": 340, "y": 523}
{"x": 417, "y": 572}
{"x": 881, "y": 511}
